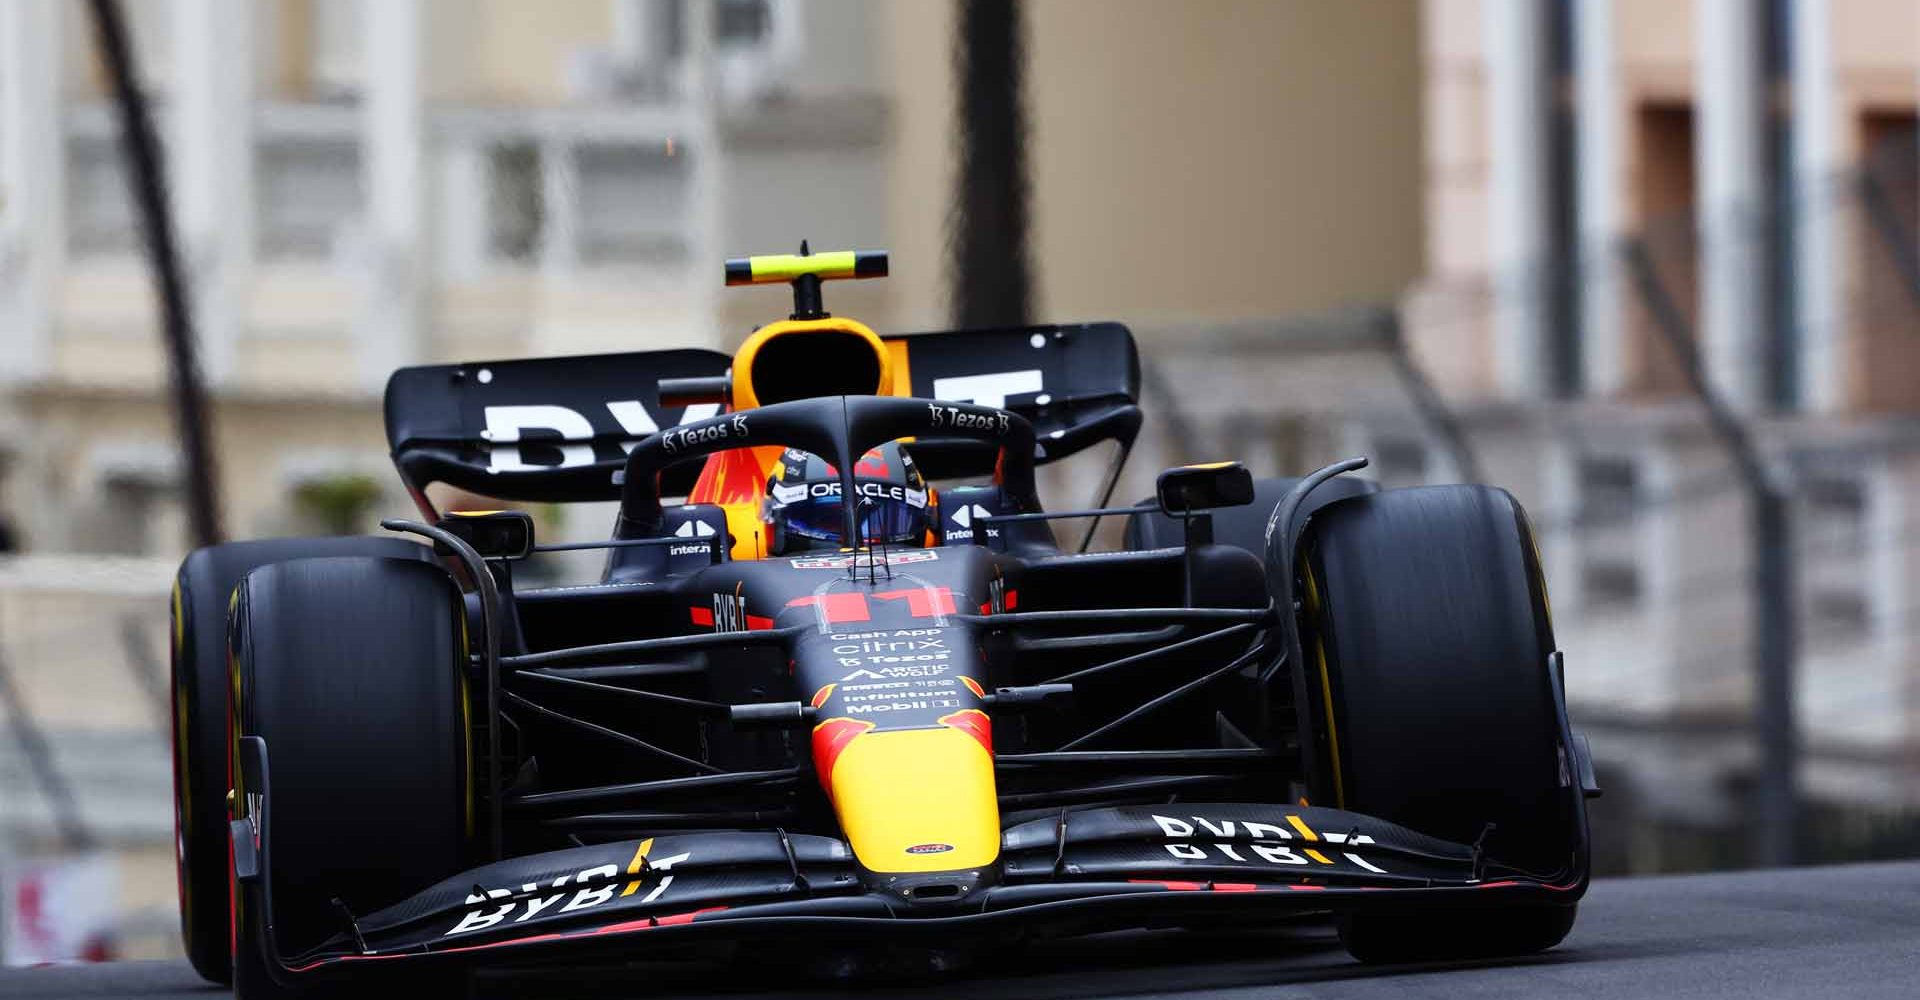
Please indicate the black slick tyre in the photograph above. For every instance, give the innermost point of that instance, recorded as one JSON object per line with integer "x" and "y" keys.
{"x": 351, "y": 670}
{"x": 1427, "y": 632}
{"x": 202, "y": 590}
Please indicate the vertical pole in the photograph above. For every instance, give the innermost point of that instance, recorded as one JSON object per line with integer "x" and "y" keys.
{"x": 32, "y": 178}
{"x": 1562, "y": 315}
{"x": 992, "y": 286}
{"x": 1732, "y": 167}
{"x": 1820, "y": 308}
{"x": 706, "y": 208}
{"x": 392, "y": 325}
{"x": 1776, "y": 791}
{"x": 147, "y": 177}
{"x": 1519, "y": 212}
{"x": 1601, "y": 212}
{"x": 212, "y": 153}
{"x": 1779, "y": 384}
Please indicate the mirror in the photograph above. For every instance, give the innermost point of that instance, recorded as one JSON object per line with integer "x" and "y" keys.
{"x": 1203, "y": 487}
{"x": 495, "y": 534}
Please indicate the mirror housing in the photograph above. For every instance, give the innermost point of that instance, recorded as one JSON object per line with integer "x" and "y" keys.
{"x": 495, "y": 534}
{"x": 1189, "y": 488}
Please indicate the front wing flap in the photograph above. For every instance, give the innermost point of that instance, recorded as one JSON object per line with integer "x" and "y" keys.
{"x": 1078, "y": 870}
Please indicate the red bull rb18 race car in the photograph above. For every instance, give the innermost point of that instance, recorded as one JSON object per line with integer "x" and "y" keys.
{"x": 845, "y": 694}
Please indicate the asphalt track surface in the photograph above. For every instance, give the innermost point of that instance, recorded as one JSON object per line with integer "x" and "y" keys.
{"x": 1850, "y": 931}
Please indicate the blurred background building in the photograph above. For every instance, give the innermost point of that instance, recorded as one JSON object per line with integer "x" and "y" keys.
{"x": 1758, "y": 158}
{"x": 1402, "y": 228}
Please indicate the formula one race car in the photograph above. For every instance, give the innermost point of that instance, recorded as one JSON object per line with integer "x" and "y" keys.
{"x": 847, "y": 697}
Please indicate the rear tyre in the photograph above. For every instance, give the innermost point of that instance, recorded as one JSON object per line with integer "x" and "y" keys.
{"x": 352, "y": 671}
{"x": 1426, "y": 621}
{"x": 201, "y": 593}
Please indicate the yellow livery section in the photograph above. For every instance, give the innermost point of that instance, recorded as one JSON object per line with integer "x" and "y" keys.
{"x": 917, "y": 800}
{"x": 828, "y": 265}
{"x": 764, "y": 369}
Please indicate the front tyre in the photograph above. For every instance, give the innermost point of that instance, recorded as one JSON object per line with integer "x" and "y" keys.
{"x": 1426, "y": 626}
{"x": 352, "y": 671}
{"x": 202, "y": 592}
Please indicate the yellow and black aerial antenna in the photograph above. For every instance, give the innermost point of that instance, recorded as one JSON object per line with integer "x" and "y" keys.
{"x": 805, "y": 271}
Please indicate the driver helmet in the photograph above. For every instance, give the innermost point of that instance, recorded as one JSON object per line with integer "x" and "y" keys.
{"x": 803, "y": 501}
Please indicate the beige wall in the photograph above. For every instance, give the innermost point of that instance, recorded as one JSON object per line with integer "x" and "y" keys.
{"x": 1876, "y": 37}
{"x": 1219, "y": 160}
{"x": 1191, "y": 162}
{"x": 1654, "y": 38}
{"x": 510, "y": 51}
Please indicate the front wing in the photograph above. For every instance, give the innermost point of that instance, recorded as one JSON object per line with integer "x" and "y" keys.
{"x": 1077, "y": 871}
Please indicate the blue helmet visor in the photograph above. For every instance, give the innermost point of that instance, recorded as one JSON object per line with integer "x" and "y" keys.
{"x": 887, "y": 521}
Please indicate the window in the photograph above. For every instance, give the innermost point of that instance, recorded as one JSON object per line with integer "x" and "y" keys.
{"x": 1401, "y": 461}
{"x": 516, "y": 208}
{"x": 100, "y": 217}
{"x": 741, "y": 22}
{"x": 307, "y": 187}
{"x": 1835, "y": 542}
{"x": 1609, "y": 491}
{"x": 632, "y": 202}
{"x": 1664, "y": 205}
{"x": 1884, "y": 318}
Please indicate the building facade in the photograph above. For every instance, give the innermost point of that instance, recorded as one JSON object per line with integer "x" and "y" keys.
{"x": 1608, "y": 181}
{"x": 357, "y": 186}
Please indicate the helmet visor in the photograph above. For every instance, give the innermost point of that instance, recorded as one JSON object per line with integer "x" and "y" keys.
{"x": 880, "y": 520}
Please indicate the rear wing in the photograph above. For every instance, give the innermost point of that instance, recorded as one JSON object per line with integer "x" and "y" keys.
{"x": 556, "y": 429}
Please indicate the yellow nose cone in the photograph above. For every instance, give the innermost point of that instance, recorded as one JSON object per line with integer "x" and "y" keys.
{"x": 918, "y": 800}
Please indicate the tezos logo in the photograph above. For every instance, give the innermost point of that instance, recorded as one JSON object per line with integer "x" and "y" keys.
{"x": 681, "y": 437}
{"x": 929, "y": 848}
{"x": 959, "y": 419}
